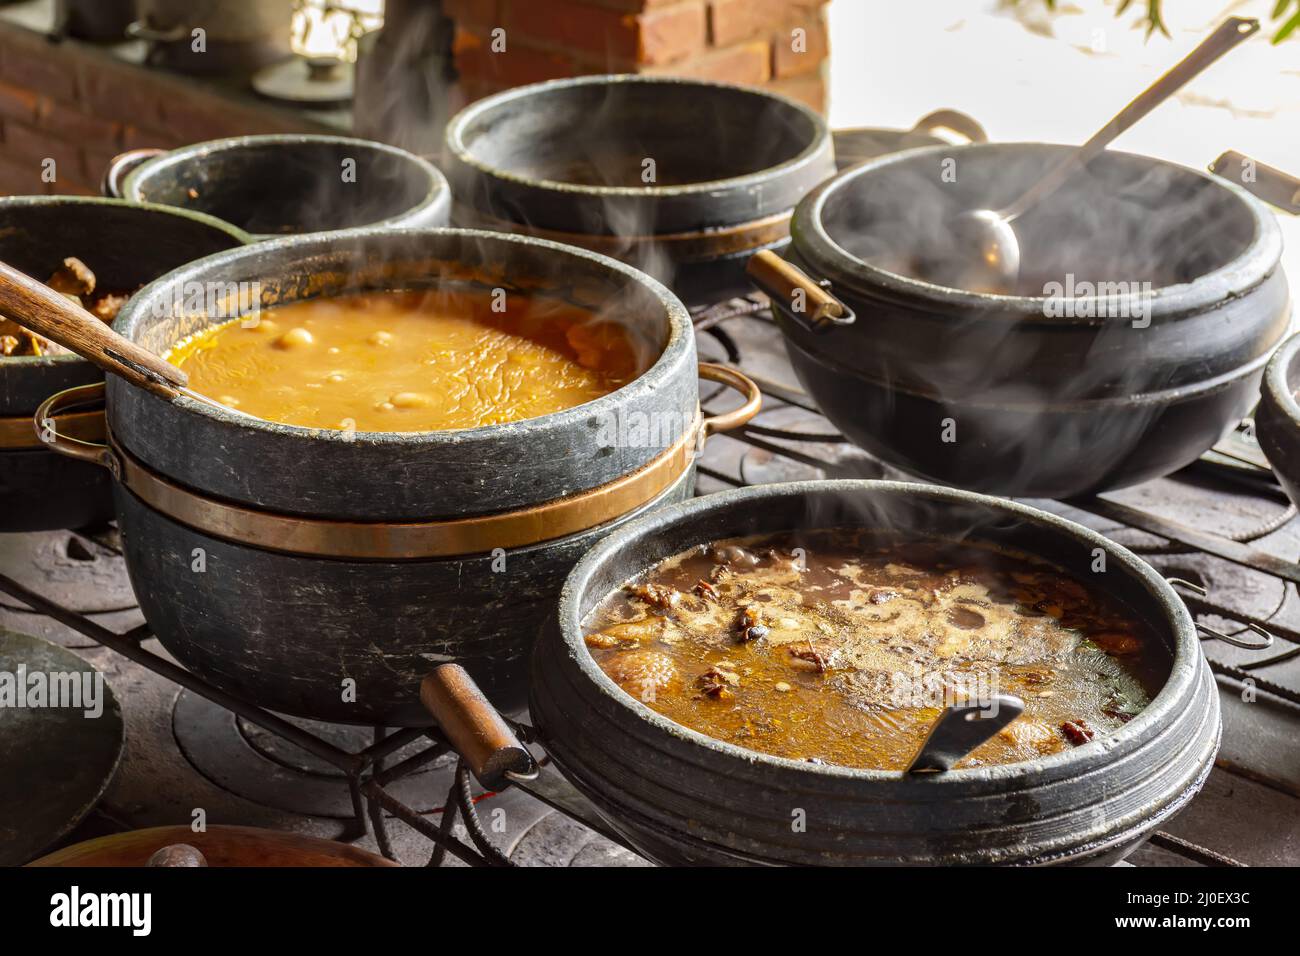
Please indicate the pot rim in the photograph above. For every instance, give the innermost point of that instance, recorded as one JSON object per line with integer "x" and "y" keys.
{"x": 454, "y": 143}
{"x": 1183, "y": 670}
{"x": 1277, "y": 390}
{"x": 680, "y": 335}
{"x": 438, "y": 192}
{"x": 44, "y": 361}
{"x": 1258, "y": 260}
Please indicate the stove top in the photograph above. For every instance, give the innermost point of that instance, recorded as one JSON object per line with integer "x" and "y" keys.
{"x": 1221, "y": 526}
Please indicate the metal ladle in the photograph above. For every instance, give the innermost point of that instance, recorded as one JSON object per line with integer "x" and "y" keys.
{"x": 994, "y": 262}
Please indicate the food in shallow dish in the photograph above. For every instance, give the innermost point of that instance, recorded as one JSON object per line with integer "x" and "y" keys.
{"x": 841, "y": 647}
{"x": 409, "y": 361}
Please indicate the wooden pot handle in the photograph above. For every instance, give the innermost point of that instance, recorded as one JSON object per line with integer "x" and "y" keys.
{"x": 474, "y": 728}
{"x": 38, "y": 307}
{"x": 796, "y": 293}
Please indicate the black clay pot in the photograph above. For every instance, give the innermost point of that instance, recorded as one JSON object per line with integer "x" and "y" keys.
{"x": 681, "y": 178}
{"x": 1277, "y": 419}
{"x": 126, "y": 246}
{"x": 278, "y": 185}
{"x": 683, "y": 798}
{"x": 1060, "y": 389}
{"x": 292, "y": 629}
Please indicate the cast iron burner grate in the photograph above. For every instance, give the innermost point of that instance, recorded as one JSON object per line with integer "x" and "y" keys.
{"x": 376, "y": 776}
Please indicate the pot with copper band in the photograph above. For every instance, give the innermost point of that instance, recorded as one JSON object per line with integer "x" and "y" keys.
{"x": 617, "y": 164}
{"x": 318, "y": 569}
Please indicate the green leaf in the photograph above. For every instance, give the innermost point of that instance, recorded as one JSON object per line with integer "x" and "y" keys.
{"x": 1287, "y": 28}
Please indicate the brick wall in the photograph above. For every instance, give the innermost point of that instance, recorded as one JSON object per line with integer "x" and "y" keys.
{"x": 777, "y": 44}
{"x": 79, "y": 106}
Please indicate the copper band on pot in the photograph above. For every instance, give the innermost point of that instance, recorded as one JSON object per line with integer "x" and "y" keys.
{"x": 399, "y": 541}
{"x": 18, "y": 432}
{"x": 704, "y": 244}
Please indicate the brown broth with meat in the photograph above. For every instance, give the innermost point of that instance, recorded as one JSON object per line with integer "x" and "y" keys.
{"x": 838, "y": 647}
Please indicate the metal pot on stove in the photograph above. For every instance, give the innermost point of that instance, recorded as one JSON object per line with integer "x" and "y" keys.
{"x": 1150, "y": 298}
{"x": 287, "y": 184}
{"x": 680, "y": 178}
{"x": 336, "y": 568}
{"x": 682, "y": 797}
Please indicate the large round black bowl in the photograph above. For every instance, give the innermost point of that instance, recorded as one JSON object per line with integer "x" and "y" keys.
{"x": 681, "y": 178}
{"x": 1150, "y": 299}
{"x": 684, "y": 798}
{"x": 126, "y": 246}
{"x": 280, "y": 184}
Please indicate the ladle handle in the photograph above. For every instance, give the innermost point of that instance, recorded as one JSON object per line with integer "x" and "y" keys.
{"x": 961, "y": 728}
{"x": 1231, "y": 32}
{"x": 58, "y": 318}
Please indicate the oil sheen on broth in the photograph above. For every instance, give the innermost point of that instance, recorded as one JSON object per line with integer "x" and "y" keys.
{"x": 838, "y": 647}
{"x": 409, "y": 361}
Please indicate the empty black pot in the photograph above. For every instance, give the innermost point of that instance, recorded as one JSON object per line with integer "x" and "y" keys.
{"x": 1151, "y": 296}
{"x": 680, "y": 178}
{"x": 277, "y": 185}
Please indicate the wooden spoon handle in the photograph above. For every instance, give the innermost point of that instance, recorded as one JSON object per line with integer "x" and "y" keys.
{"x": 58, "y": 318}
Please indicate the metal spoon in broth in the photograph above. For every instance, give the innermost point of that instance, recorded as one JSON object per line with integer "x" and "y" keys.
{"x": 984, "y": 253}
{"x": 38, "y": 307}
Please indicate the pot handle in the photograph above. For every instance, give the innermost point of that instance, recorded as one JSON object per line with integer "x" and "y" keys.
{"x": 120, "y": 166}
{"x": 741, "y": 383}
{"x": 953, "y": 121}
{"x": 1271, "y": 185}
{"x": 798, "y": 295}
{"x": 46, "y": 421}
{"x": 1208, "y": 633}
{"x": 475, "y": 729}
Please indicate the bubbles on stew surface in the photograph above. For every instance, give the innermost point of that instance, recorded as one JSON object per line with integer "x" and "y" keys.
{"x": 410, "y": 361}
{"x": 842, "y": 647}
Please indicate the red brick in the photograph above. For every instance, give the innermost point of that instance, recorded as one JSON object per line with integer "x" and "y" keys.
{"x": 27, "y": 143}
{"x": 70, "y": 123}
{"x": 746, "y": 63}
{"x": 517, "y": 65}
{"x": 18, "y": 103}
{"x": 129, "y": 94}
{"x": 144, "y": 137}
{"x": 657, "y": 36}
{"x": 44, "y": 68}
{"x": 473, "y": 13}
{"x": 816, "y": 48}
{"x": 731, "y": 21}
{"x": 809, "y": 88}
{"x": 20, "y": 178}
